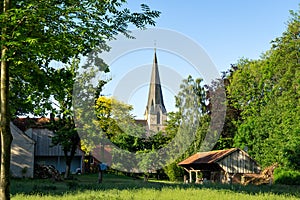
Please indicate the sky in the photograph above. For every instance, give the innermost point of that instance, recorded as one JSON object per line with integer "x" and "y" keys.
{"x": 226, "y": 30}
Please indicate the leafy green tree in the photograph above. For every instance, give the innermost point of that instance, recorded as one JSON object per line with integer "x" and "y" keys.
{"x": 37, "y": 32}
{"x": 118, "y": 130}
{"x": 191, "y": 97}
{"x": 226, "y": 139}
{"x": 266, "y": 91}
{"x": 113, "y": 116}
{"x": 62, "y": 119}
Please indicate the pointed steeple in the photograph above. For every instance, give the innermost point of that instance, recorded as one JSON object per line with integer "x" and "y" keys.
{"x": 155, "y": 103}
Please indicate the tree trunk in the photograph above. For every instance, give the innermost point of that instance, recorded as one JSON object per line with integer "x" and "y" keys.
{"x": 68, "y": 165}
{"x": 70, "y": 157}
{"x": 6, "y": 137}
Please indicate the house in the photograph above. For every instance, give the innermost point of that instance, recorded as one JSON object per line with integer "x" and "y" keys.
{"x": 220, "y": 166}
{"x": 22, "y": 153}
{"x": 44, "y": 153}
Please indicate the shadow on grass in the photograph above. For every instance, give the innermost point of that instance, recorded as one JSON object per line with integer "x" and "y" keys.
{"x": 89, "y": 182}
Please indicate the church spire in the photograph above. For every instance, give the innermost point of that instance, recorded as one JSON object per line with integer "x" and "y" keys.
{"x": 155, "y": 105}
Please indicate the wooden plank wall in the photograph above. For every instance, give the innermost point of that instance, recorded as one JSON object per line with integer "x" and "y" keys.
{"x": 239, "y": 162}
{"x": 43, "y": 146}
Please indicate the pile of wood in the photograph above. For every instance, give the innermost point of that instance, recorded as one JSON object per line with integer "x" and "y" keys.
{"x": 47, "y": 171}
{"x": 265, "y": 177}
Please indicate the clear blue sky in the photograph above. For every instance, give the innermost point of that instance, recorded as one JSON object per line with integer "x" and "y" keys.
{"x": 226, "y": 29}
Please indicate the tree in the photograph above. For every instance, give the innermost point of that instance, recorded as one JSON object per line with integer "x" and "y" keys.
{"x": 266, "y": 91}
{"x": 6, "y": 137}
{"x": 117, "y": 129}
{"x": 62, "y": 119}
{"x": 191, "y": 102}
{"x": 226, "y": 139}
{"x": 40, "y": 31}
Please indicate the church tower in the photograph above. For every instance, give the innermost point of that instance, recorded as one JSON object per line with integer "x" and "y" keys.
{"x": 155, "y": 113}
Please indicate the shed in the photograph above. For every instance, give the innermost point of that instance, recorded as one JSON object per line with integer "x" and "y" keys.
{"x": 220, "y": 166}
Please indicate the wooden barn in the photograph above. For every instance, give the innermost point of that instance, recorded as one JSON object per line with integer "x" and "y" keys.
{"x": 44, "y": 152}
{"x": 225, "y": 166}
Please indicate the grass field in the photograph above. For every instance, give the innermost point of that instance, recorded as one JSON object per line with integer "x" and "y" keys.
{"x": 121, "y": 187}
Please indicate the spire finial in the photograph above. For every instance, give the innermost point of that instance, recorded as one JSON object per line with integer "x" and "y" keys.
{"x": 154, "y": 46}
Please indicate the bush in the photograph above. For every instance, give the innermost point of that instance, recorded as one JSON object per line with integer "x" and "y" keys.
{"x": 72, "y": 185}
{"x": 174, "y": 172}
{"x": 286, "y": 176}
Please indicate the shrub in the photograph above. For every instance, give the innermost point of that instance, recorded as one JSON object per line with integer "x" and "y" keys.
{"x": 174, "y": 172}
{"x": 286, "y": 176}
{"x": 72, "y": 185}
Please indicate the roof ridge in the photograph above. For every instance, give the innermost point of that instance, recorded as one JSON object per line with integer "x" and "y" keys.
{"x": 219, "y": 150}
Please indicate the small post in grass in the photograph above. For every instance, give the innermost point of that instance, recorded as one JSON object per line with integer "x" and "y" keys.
{"x": 101, "y": 168}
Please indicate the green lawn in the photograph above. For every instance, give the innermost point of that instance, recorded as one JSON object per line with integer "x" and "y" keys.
{"x": 121, "y": 187}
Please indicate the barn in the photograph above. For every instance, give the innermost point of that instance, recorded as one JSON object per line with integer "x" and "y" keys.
{"x": 220, "y": 166}
{"x": 43, "y": 152}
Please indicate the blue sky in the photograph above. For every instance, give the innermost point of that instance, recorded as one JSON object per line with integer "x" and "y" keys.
{"x": 226, "y": 30}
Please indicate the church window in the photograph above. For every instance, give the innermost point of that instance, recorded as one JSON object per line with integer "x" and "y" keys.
{"x": 158, "y": 118}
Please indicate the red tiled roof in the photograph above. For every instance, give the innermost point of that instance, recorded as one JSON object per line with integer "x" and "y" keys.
{"x": 141, "y": 122}
{"x": 26, "y": 123}
{"x": 207, "y": 157}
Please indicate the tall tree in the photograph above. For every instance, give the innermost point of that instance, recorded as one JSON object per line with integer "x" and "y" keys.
{"x": 6, "y": 137}
{"x": 266, "y": 91}
{"x": 190, "y": 101}
{"x": 41, "y": 31}
{"x": 62, "y": 118}
{"x": 226, "y": 139}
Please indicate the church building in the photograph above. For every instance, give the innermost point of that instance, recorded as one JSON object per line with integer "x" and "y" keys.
{"x": 155, "y": 113}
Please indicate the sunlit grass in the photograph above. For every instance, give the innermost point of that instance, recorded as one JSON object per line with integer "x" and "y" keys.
{"x": 154, "y": 194}
{"x": 122, "y": 187}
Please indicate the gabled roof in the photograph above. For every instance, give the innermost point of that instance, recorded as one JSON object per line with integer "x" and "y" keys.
{"x": 207, "y": 157}
{"x": 15, "y": 130}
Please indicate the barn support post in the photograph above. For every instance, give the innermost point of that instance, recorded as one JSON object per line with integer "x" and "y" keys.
{"x": 190, "y": 172}
{"x": 184, "y": 179}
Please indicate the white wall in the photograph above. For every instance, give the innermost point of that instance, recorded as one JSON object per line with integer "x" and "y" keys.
{"x": 22, "y": 154}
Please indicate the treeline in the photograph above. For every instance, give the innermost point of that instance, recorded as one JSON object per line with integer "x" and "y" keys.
{"x": 263, "y": 102}
{"x": 262, "y": 107}
{"x": 262, "y": 115}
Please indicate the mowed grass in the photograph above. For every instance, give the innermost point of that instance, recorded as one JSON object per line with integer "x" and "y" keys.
{"x": 121, "y": 187}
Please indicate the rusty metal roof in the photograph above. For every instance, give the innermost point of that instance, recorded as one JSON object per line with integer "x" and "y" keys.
{"x": 207, "y": 157}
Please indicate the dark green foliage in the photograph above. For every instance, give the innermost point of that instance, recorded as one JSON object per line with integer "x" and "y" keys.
{"x": 174, "y": 172}
{"x": 265, "y": 93}
{"x": 286, "y": 176}
{"x": 39, "y": 32}
{"x": 72, "y": 185}
{"x": 190, "y": 90}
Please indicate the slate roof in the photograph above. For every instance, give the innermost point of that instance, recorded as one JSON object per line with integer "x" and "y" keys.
{"x": 155, "y": 96}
